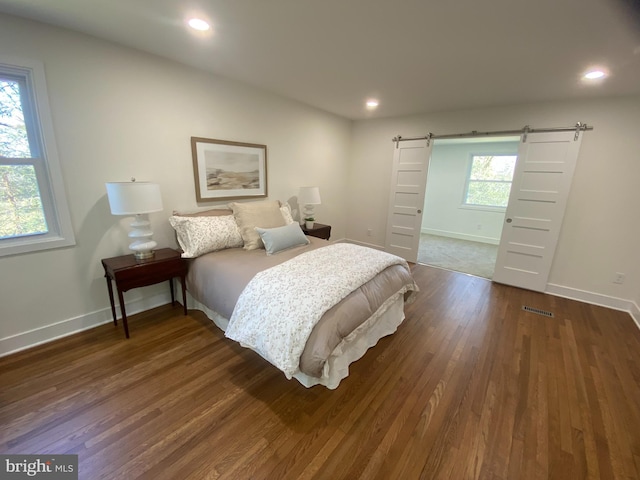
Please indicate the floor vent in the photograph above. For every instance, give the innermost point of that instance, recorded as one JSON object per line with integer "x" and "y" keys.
{"x": 538, "y": 311}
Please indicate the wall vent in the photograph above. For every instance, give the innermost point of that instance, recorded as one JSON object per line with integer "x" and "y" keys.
{"x": 538, "y": 311}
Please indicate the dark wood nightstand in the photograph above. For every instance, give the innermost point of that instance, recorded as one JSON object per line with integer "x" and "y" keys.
{"x": 130, "y": 273}
{"x": 319, "y": 230}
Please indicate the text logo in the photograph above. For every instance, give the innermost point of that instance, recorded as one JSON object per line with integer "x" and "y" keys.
{"x": 49, "y": 467}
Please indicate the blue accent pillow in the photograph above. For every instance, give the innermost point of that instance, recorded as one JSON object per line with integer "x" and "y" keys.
{"x": 282, "y": 238}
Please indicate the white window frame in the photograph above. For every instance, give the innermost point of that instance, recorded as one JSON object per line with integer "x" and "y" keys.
{"x": 465, "y": 193}
{"x": 45, "y": 161}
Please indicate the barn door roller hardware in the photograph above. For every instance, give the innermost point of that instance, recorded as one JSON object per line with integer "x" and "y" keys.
{"x": 524, "y": 131}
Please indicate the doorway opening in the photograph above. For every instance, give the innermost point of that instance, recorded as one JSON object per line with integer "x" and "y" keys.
{"x": 467, "y": 192}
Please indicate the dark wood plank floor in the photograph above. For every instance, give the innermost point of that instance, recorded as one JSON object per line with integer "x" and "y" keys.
{"x": 471, "y": 386}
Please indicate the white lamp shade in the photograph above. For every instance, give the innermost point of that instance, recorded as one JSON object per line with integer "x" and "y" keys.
{"x": 131, "y": 198}
{"x": 309, "y": 196}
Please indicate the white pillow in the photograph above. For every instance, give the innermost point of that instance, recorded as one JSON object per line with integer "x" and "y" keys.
{"x": 282, "y": 238}
{"x": 200, "y": 235}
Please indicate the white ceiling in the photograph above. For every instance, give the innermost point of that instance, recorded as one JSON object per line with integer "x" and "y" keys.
{"x": 416, "y": 56}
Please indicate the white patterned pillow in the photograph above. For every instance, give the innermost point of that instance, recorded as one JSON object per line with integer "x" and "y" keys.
{"x": 285, "y": 209}
{"x": 200, "y": 235}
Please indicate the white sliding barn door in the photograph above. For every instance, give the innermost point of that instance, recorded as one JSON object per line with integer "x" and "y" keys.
{"x": 406, "y": 198}
{"x": 533, "y": 218}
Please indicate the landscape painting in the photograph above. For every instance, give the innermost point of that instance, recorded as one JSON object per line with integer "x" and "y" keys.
{"x": 228, "y": 170}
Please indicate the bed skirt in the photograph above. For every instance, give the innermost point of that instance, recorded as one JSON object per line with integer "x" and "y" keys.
{"x": 382, "y": 323}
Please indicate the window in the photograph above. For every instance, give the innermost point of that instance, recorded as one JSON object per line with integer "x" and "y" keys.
{"x": 33, "y": 209}
{"x": 489, "y": 181}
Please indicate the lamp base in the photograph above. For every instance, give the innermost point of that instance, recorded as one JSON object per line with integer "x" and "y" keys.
{"x": 144, "y": 255}
{"x": 143, "y": 250}
{"x": 141, "y": 234}
{"x": 307, "y": 212}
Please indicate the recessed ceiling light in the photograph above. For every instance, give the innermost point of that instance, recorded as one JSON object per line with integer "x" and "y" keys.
{"x": 199, "y": 24}
{"x": 594, "y": 74}
{"x": 372, "y": 103}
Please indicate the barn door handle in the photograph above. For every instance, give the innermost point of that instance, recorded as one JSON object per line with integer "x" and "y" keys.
{"x": 509, "y": 220}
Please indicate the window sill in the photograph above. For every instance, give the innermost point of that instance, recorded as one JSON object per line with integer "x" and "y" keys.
{"x": 22, "y": 245}
{"x": 483, "y": 208}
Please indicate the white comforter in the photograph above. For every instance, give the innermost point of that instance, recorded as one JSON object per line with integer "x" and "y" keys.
{"x": 278, "y": 309}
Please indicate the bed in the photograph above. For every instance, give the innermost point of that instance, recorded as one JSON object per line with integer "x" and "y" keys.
{"x": 308, "y": 306}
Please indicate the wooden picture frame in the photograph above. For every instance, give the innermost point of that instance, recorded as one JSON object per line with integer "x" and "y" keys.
{"x": 225, "y": 170}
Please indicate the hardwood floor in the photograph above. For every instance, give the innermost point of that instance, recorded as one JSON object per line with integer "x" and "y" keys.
{"x": 471, "y": 386}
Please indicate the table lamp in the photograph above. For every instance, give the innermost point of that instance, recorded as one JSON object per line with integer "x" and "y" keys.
{"x": 139, "y": 199}
{"x": 308, "y": 197}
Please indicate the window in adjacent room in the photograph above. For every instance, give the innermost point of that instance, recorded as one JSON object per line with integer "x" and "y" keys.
{"x": 33, "y": 209}
{"x": 489, "y": 180}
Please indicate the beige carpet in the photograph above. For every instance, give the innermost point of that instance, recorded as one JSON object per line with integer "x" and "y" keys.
{"x": 464, "y": 256}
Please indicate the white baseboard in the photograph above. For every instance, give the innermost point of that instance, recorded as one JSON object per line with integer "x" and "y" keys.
{"x": 461, "y": 236}
{"x": 339, "y": 240}
{"x": 37, "y": 336}
{"x": 592, "y": 298}
{"x": 364, "y": 244}
{"x": 635, "y": 313}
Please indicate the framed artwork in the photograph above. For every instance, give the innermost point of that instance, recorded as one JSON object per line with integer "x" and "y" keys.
{"x": 226, "y": 170}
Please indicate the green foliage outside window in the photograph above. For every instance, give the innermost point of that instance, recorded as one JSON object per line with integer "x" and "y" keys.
{"x": 490, "y": 180}
{"x": 14, "y": 142}
{"x": 21, "y": 211}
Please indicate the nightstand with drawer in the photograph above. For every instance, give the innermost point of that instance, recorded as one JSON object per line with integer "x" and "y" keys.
{"x": 319, "y": 230}
{"x": 130, "y": 273}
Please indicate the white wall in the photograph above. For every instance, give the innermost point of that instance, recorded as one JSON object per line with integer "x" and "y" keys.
{"x": 120, "y": 113}
{"x": 444, "y": 211}
{"x": 601, "y": 227}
